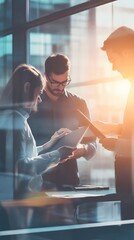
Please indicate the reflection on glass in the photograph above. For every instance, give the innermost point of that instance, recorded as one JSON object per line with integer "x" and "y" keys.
{"x": 5, "y": 14}
{"x": 48, "y": 39}
{"x": 39, "y": 8}
{"x": 5, "y": 59}
{"x": 80, "y": 37}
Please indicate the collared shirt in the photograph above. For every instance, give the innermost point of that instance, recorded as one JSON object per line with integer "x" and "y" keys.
{"x": 20, "y": 153}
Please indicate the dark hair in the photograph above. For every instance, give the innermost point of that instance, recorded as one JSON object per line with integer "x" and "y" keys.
{"x": 57, "y": 63}
{"x": 121, "y": 38}
{"x": 13, "y": 91}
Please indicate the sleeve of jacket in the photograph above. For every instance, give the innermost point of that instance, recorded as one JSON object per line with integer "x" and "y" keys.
{"x": 90, "y": 146}
{"x": 30, "y": 164}
{"x": 35, "y": 164}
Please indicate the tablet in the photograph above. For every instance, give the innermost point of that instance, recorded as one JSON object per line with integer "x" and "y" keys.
{"x": 93, "y": 129}
{"x": 72, "y": 139}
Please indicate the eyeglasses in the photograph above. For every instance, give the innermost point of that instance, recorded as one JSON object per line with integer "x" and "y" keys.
{"x": 57, "y": 84}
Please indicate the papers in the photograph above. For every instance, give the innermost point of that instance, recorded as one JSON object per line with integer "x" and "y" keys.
{"x": 93, "y": 129}
{"x": 91, "y": 187}
{"x": 72, "y": 194}
{"x": 77, "y": 193}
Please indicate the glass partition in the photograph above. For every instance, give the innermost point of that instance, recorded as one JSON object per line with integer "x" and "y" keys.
{"x": 80, "y": 37}
{"x": 5, "y": 59}
{"x": 5, "y": 14}
{"x": 39, "y": 8}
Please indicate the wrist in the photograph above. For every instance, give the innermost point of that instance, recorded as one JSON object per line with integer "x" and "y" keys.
{"x": 85, "y": 147}
{"x": 117, "y": 128}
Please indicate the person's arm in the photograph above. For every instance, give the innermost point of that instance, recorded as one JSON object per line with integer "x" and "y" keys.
{"x": 22, "y": 153}
{"x": 90, "y": 146}
{"x": 26, "y": 159}
{"x": 33, "y": 164}
{"x": 108, "y": 128}
{"x": 120, "y": 146}
{"x": 86, "y": 149}
{"x": 42, "y": 162}
{"x": 90, "y": 150}
{"x": 55, "y": 137}
{"x": 109, "y": 143}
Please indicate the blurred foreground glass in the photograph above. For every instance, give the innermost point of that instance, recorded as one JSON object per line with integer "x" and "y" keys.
{"x": 5, "y": 59}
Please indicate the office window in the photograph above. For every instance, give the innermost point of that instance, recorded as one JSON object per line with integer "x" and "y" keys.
{"x": 80, "y": 37}
{"x": 39, "y": 8}
{"x": 76, "y": 37}
{"x": 45, "y": 7}
{"x": 5, "y": 59}
{"x": 5, "y": 14}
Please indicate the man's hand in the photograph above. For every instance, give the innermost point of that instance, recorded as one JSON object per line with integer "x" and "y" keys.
{"x": 73, "y": 153}
{"x": 109, "y": 143}
{"x": 66, "y": 153}
{"x": 108, "y": 128}
{"x": 79, "y": 151}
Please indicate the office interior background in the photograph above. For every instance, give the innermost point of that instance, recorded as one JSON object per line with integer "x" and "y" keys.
{"x": 30, "y": 30}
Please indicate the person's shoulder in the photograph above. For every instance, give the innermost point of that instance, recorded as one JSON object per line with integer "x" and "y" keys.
{"x": 7, "y": 114}
{"x": 18, "y": 115}
{"x": 19, "y": 119}
{"x": 11, "y": 119}
{"x": 75, "y": 97}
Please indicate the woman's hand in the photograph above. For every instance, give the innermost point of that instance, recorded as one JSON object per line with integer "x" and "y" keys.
{"x": 55, "y": 137}
{"x": 59, "y": 134}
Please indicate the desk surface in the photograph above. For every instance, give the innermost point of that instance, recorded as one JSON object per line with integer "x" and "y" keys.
{"x": 92, "y": 215}
{"x": 119, "y": 225}
{"x": 81, "y": 194}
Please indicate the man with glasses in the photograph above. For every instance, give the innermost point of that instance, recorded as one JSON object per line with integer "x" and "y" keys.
{"x": 59, "y": 108}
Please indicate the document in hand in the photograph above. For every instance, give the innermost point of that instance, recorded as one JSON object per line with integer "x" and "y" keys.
{"x": 97, "y": 133}
{"x": 71, "y": 139}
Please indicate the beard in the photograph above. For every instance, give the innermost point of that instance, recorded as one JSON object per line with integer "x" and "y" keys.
{"x": 55, "y": 92}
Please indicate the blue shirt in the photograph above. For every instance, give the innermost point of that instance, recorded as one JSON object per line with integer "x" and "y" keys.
{"x": 19, "y": 154}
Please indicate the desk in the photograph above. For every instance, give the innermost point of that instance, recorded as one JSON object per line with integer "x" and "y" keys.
{"x": 92, "y": 207}
{"x": 82, "y": 194}
{"x": 118, "y": 230}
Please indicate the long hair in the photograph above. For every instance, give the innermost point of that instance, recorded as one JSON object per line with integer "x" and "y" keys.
{"x": 13, "y": 93}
